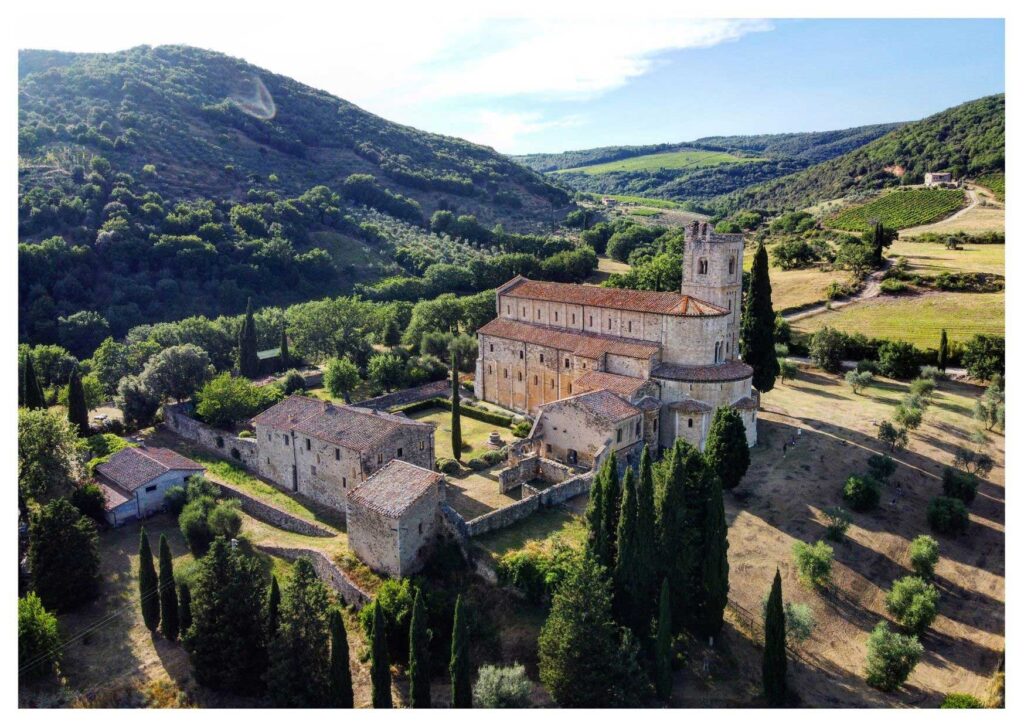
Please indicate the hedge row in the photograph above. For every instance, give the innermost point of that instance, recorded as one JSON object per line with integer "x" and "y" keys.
{"x": 483, "y": 415}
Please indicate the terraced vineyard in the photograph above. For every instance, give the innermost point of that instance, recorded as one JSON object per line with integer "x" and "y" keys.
{"x": 690, "y": 159}
{"x": 900, "y": 209}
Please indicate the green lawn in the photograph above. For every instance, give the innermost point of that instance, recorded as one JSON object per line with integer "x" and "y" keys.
{"x": 691, "y": 159}
{"x": 933, "y": 257}
{"x": 918, "y": 319}
{"x": 474, "y": 432}
{"x": 541, "y": 530}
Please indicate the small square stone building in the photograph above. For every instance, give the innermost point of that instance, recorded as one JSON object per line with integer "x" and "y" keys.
{"x": 582, "y": 430}
{"x": 134, "y": 481}
{"x": 393, "y": 517}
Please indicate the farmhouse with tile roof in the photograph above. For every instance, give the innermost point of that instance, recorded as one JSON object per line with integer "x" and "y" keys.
{"x": 135, "y": 479}
{"x": 672, "y": 357}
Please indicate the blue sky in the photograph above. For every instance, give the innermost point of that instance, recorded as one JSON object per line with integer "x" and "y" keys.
{"x": 575, "y": 80}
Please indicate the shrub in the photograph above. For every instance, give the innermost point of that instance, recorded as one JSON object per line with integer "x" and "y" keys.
{"x": 858, "y": 380}
{"x": 924, "y": 554}
{"x": 536, "y": 573}
{"x": 837, "y": 522}
{"x": 908, "y": 417}
{"x": 477, "y": 464}
{"x": 395, "y": 599}
{"x": 227, "y": 399}
{"x": 961, "y": 485}
{"x": 881, "y": 466}
{"x": 891, "y": 657}
{"x": 522, "y": 429}
{"x": 293, "y": 382}
{"x": 948, "y": 516}
{"x": 502, "y": 687}
{"x": 895, "y": 437}
{"x": 195, "y": 526}
{"x": 894, "y": 287}
{"x": 245, "y": 434}
{"x": 39, "y": 643}
{"x": 448, "y": 466}
{"x": 800, "y": 621}
{"x": 984, "y": 356}
{"x": 225, "y": 520}
{"x": 958, "y": 700}
{"x": 913, "y": 603}
{"x": 814, "y": 563}
{"x": 898, "y": 359}
{"x": 934, "y": 373}
{"x": 174, "y": 499}
{"x": 867, "y": 365}
{"x": 90, "y": 501}
{"x": 922, "y": 387}
{"x": 862, "y": 492}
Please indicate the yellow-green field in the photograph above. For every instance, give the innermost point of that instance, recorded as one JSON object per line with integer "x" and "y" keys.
{"x": 640, "y": 201}
{"x": 918, "y": 319}
{"x": 474, "y": 432}
{"x": 797, "y": 288}
{"x": 933, "y": 257}
{"x": 666, "y": 160}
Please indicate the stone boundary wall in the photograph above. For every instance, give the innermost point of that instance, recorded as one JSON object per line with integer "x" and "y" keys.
{"x": 278, "y": 518}
{"x": 511, "y": 514}
{"x": 178, "y": 418}
{"x": 430, "y": 390}
{"x": 532, "y": 467}
{"x": 326, "y": 570}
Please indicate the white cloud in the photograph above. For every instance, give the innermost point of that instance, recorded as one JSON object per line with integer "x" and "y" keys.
{"x": 506, "y": 131}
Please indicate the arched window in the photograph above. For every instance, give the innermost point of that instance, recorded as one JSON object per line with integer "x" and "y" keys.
{"x": 702, "y": 266}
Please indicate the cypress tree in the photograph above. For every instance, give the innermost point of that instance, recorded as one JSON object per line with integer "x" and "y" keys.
{"x": 646, "y": 548}
{"x": 458, "y": 667}
{"x": 248, "y": 361}
{"x": 380, "y": 665}
{"x": 273, "y": 607}
{"x": 879, "y": 237}
{"x": 184, "y": 608}
{"x": 773, "y": 668}
{"x": 169, "y": 623}
{"x": 419, "y": 655}
{"x": 456, "y": 414}
{"x": 757, "y": 329}
{"x": 595, "y": 515}
{"x": 699, "y": 481}
{"x": 32, "y": 396}
{"x": 286, "y": 356}
{"x": 726, "y": 448}
{"x": 78, "y": 412}
{"x": 340, "y": 696}
{"x": 611, "y": 503}
{"x": 672, "y": 533}
{"x": 663, "y": 646}
{"x": 626, "y": 577}
{"x": 943, "y": 357}
{"x": 149, "y": 595}
{"x": 714, "y": 592}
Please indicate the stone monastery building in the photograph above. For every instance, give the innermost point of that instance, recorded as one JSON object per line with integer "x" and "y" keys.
{"x": 664, "y": 361}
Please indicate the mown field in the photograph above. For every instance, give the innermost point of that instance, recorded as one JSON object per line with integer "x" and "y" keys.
{"x": 933, "y": 257}
{"x": 666, "y": 160}
{"x": 900, "y": 208}
{"x": 918, "y": 319}
{"x": 797, "y": 288}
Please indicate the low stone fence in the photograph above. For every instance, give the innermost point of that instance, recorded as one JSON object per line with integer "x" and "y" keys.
{"x": 275, "y": 516}
{"x": 529, "y": 468}
{"x": 326, "y": 570}
{"x": 178, "y": 418}
{"x": 409, "y": 396}
{"x": 533, "y": 500}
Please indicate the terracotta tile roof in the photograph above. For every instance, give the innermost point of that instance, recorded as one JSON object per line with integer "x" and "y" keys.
{"x": 133, "y": 467}
{"x": 603, "y": 404}
{"x": 727, "y": 371}
{"x": 626, "y": 386}
{"x": 353, "y": 427}
{"x": 589, "y": 345}
{"x": 112, "y": 497}
{"x": 690, "y": 406}
{"x": 642, "y": 301}
{"x": 394, "y": 488}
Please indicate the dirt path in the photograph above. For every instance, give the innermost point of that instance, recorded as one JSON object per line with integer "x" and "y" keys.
{"x": 972, "y": 195}
{"x": 872, "y": 288}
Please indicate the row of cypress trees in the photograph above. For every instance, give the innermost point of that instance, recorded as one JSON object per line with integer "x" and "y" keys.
{"x": 31, "y": 396}
{"x": 248, "y": 348}
{"x": 165, "y": 605}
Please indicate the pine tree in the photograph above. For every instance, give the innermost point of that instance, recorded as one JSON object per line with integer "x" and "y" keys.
{"x": 184, "y": 608}
{"x": 149, "y": 596}
{"x": 458, "y": 667}
{"x": 169, "y": 623}
{"x": 663, "y": 646}
{"x": 419, "y": 655}
{"x": 32, "y": 396}
{"x": 78, "y": 411}
{"x": 773, "y": 669}
{"x": 611, "y": 503}
{"x": 672, "y": 533}
{"x": 456, "y": 414}
{"x": 340, "y": 691}
{"x": 273, "y": 607}
{"x": 380, "y": 665}
{"x": 726, "y": 447}
{"x": 757, "y": 329}
{"x": 248, "y": 361}
{"x": 943, "y": 357}
{"x": 714, "y": 592}
{"x": 286, "y": 356}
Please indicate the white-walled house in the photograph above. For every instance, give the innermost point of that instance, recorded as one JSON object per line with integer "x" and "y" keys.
{"x": 135, "y": 480}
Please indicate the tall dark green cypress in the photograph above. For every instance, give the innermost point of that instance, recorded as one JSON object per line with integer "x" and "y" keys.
{"x": 757, "y": 329}
{"x": 286, "y": 356}
{"x": 699, "y": 482}
{"x": 595, "y": 515}
{"x": 611, "y": 503}
{"x": 78, "y": 412}
{"x": 646, "y": 549}
{"x": 273, "y": 608}
{"x": 419, "y": 655}
{"x": 169, "y": 624}
{"x": 714, "y": 592}
{"x": 184, "y": 608}
{"x": 672, "y": 533}
{"x": 663, "y": 646}
{"x": 726, "y": 447}
{"x": 458, "y": 666}
{"x": 943, "y": 357}
{"x": 248, "y": 361}
{"x": 149, "y": 595}
{"x": 627, "y": 578}
{"x": 380, "y": 664}
{"x": 340, "y": 696}
{"x": 879, "y": 237}
{"x": 32, "y": 396}
{"x": 456, "y": 414}
{"x": 773, "y": 668}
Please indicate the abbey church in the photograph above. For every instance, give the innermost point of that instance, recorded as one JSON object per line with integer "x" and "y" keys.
{"x": 608, "y": 369}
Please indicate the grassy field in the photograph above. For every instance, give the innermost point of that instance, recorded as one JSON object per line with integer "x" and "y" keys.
{"x": 918, "y": 319}
{"x": 900, "y": 208}
{"x": 793, "y": 289}
{"x": 933, "y": 257}
{"x": 474, "y": 432}
{"x": 540, "y": 531}
{"x": 692, "y": 159}
{"x": 666, "y": 204}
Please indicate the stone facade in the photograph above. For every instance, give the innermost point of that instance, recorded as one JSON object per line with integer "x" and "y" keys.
{"x": 178, "y": 418}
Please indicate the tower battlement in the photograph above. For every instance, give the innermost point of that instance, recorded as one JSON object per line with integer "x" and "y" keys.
{"x": 698, "y": 231}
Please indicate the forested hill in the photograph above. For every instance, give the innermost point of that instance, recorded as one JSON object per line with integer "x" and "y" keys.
{"x": 967, "y": 140}
{"x": 212, "y": 126}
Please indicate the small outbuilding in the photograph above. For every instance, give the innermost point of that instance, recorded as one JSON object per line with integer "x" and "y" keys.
{"x": 393, "y": 518}
{"x": 937, "y": 179}
{"x": 135, "y": 479}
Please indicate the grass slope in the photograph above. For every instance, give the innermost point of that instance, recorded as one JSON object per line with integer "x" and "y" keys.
{"x": 686, "y": 159}
{"x": 900, "y": 208}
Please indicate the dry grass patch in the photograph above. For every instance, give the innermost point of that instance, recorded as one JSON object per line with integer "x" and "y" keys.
{"x": 933, "y": 257}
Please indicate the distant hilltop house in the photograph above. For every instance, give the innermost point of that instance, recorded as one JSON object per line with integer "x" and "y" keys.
{"x": 937, "y": 179}
{"x": 654, "y": 366}
{"x": 608, "y": 201}
{"x": 324, "y": 451}
{"x": 135, "y": 479}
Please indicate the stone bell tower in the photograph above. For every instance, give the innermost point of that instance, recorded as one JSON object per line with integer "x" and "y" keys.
{"x": 713, "y": 272}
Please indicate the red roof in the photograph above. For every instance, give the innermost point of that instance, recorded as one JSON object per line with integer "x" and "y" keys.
{"x": 133, "y": 467}
{"x": 603, "y": 404}
{"x": 588, "y": 345}
{"x": 643, "y": 301}
{"x": 393, "y": 488}
{"x": 626, "y": 386}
